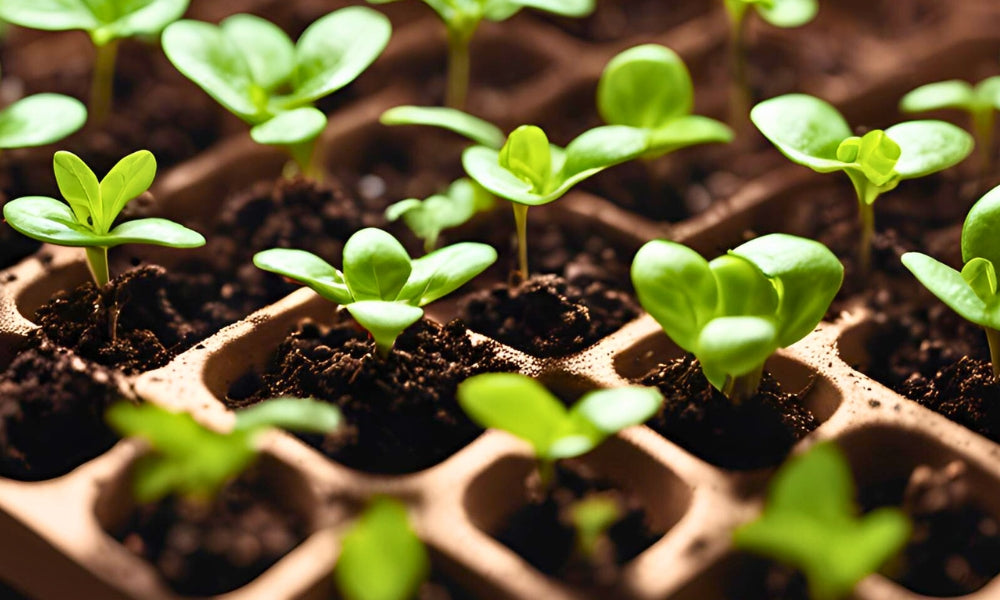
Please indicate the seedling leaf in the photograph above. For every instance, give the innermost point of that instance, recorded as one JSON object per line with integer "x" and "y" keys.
{"x": 647, "y": 87}
{"x": 929, "y": 147}
{"x": 79, "y": 186}
{"x": 376, "y": 264}
{"x": 297, "y": 414}
{"x": 384, "y": 320}
{"x": 292, "y": 127}
{"x": 935, "y": 96}
{"x": 788, "y": 13}
{"x": 40, "y": 119}
{"x": 443, "y": 271}
{"x": 979, "y": 233}
{"x": 428, "y": 218}
{"x": 804, "y": 128}
{"x": 105, "y": 21}
{"x": 266, "y": 48}
{"x": 130, "y": 177}
{"x": 462, "y": 123}
{"x": 307, "y": 268}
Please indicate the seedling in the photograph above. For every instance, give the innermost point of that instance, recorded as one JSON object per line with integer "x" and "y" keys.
{"x": 194, "y": 461}
{"x": 811, "y": 132}
{"x": 429, "y": 217}
{"x": 591, "y": 518}
{"x": 780, "y": 13}
{"x": 252, "y": 68}
{"x": 380, "y": 285}
{"x": 91, "y": 207}
{"x": 529, "y": 171}
{"x": 734, "y": 312}
{"x": 461, "y": 19}
{"x": 107, "y": 22}
{"x": 981, "y": 102}
{"x": 381, "y": 558}
{"x": 523, "y": 407}
{"x": 810, "y": 522}
{"x": 40, "y": 119}
{"x": 972, "y": 293}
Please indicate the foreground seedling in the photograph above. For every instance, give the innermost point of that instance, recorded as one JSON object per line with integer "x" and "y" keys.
{"x": 734, "y": 312}
{"x": 813, "y": 133}
{"x": 810, "y": 522}
{"x": 380, "y": 285}
{"x": 40, "y": 119}
{"x": 252, "y": 68}
{"x": 91, "y": 207}
{"x": 972, "y": 293}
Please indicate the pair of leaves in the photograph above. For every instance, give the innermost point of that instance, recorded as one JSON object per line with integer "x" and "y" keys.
{"x": 735, "y": 311}
{"x": 429, "y": 217}
{"x": 94, "y": 205}
{"x": 380, "y": 285}
{"x": 523, "y": 407}
{"x": 648, "y": 87}
{"x": 105, "y": 20}
{"x": 464, "y": 15}
{"x": 810, "y": 522}
{"x": 813, "y": 133}
{"x": 780, "y": 13}
{"x": 984, "y": 96}
{"x": 40, "y": 119}
{"x": 193, "y": 461}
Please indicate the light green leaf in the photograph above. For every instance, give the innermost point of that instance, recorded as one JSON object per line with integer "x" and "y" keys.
{"x": 40, "y": 119}
{"x": 935, "y": 96}
{"x": 982, "y": 278}
{"x": 599, "y": 148}
{"x": 527, "y": 155}
{"x": 474, "y": 128}
{"x": 139, "y": 17}
{"x": 385, "y": 321}
{"x": 266, "y": 48}
{"x": 156, "y": 232}
{"x": 647, "y": 87}
{"x": 804, "y": 128}
{"x": 376, "y": 266}
{"x": 743, "y": 290}
{"x": 308, "y": 269}
{"x": 48, "y": 220}
{"x": 929, "y": 147}
{"x": 686, "y": 131}
{"x": 988, "y": 92}
{"x": 428, "y": 218}
{"x": 788, "y": 13}
{"x": 614, "y": 409}
{"x": 566, "y": 8}
{"x": 483, "y": 165}
{"x": 875, "y": 155}
{"x": 296, "y": 414}
{"x": 296, "y": 126}
{"x": 79, "y": 186}
{"x": 49, "y": 15}
{"x": 952, "y": 289}
{"x": 979, "y": 233}
{"x": 735, "y": 346}
{"x": 445, "y": 270}
{"x": 130, "y": 177}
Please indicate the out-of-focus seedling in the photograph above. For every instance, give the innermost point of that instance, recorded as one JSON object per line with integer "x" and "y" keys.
{"x": 40, "y": 119}
{"x": 591, "y": 518}
{"x": 429, "y": 217}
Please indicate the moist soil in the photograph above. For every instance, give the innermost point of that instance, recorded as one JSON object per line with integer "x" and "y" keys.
{"x": 401, "y": 414}
{"x": 540, "y": 533}
{"x": 756, "y": 433}
{"x": 52, "y": 407}
{"x": 212, "y": 548}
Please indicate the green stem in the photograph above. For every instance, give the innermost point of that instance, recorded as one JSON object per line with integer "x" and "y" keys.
{"x": 304, "y": 155}
{"x": 97, "y": 260}
{"x": 993, "y": 338}
{"x": 867, "y": 194}
{"x": 458, "y": 66}
{"x": 521, "y": 222}
{"x": 102, "y": 85}
{"x": 983, "y": 120}
{"x": 739, "y": 86}
{"x": 546, "y": 474}
{"x": 743, "y": 387}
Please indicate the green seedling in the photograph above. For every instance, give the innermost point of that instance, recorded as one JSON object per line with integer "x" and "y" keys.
{"x": 40, "y": 119}
{"x": 780, "y": 13}
{"x": 429, "y": 217}
{"x": 194, "y": 461}
{"x": 980, "y": 101}
{"x": 380, "y": 285}
{"x": 810, "y": 522}
{"x": 529, "y": 171}
{"x": 479, "y": 131}
{"x": 523, "y": 407}
{"x": 734, "y": 312}
{"x": 591, "y": 518}
{"x": 91, "y": 208}
{"x": 462, "y": 18}
{"x": 381, "y": 558}
{"x": 107, "y": 22}
{"x": 813, "y": 133}
{"x": 972, "y": 293}
{"x": 252, "y": 68}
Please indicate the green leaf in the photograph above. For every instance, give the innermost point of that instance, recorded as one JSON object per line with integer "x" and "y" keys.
{"x": 875, "y": 155}
{"x": 929, "y": 147}
{"x": 979, "y": 233}
{"x": 614, "y": 409}
{"x": 982, "y": 278}
{"x": 307, "y": 268}
{"x": 988, "y": 92}
{"x": 743, "y": 289}
{"x": 40, "y": 119}
{"x": 566, "y": 8}
{"x": 483, "y": 165}
{"x": 296, "y": 414}
{"x": 735, "y": 346}
{"x": 474, "y": 128}
{"x": 78, "y": 184}
{"x": 156, "y": 232}
{"x": 428, "y": 218}
{"x": 804, "y": 128}
{"x": 130, "y": 177}
{"x": 49, "y": 15}
{"x": 788, "y": 13}
{"x": 952, "y": 289}
{"x": 296, "y": 126}
{"x": 526, "y": 154}
{"x": 385, "y": 321}
{"x": 443, "y": 271}
{"x": 376, "y": 266}
{"x": 686, "y": 131}
{"x": 647, "y": 87}
{"x": 381, "y": 558}
{"x": 935, "y": 96}
{"x": 48, "y": 220}
{"x": 266, "y": 48}
{"x": 597, "y": 149}
{"x": 140, "y": 17}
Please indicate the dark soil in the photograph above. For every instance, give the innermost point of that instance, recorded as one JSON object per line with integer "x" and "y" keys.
{"x": 547, "y": 315}
{"x": 52, "y": 407}
{"x": 208, "y": 549}
{"x": 757, "y": 433}
{"x": 401, "y": 413}
{"x": 757, "y": 578}
{"x": 540, "y": 534}
{"x": 439, "y": 586}
{"x": 613, "y": 21}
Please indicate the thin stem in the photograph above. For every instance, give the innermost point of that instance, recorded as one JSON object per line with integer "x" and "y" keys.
{"x": 743, "y": 387}
{"x": 304, "y": 155}
{"x": 97, "y": 261}
{"x": 383, "y": 349}
{"x": 546, "y": 474}
{"x": 983, "y": 120}
{"x": 458, "y": 66}
{"x": 866, "y": 214}
{"x": 739, "y": 86}
{"x": 521, "y": 222}
{"x": 993, "y": 338}
{"x": 102, "y": 85}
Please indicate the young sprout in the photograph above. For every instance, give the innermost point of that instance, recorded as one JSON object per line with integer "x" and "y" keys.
{"x": 972, "y": 293}
{"x": 734, "y": 312}
{"x": 461, "y": 19}
{"x": 981, "y": 102}
{"x": 91, "y": 207}
{"x": 252, "y": 68}
{"x": 381, "y": 558}
{"x": 529, "y": 171}
{"x": 810, "y": 522}
{"x": 523, "y": 407}
{"x": 107, "y": 22}
{"x": 429, "y": 217}
{"x": 812, "y": 133}
{"x": 40, "y": 119}
{"x": 380, "y": 285}
{"x": 591, "y": 518}
{"x": 194, "y": 461}
{"x": 780, "y": 13}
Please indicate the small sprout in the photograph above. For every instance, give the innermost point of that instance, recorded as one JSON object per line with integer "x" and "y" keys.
{"x": 381, "y": 558}
{"x": 812, "y": 133}
{"x": 591, "y": 518}
{"x": 428, "y": 218}
{"x": 523, "y": 407}
{"x": 252, "y": 68}
{"x": 40, "y": 119}
{"x": 734, "y": 312}
{"x": 462, "y": 18}
{"x": 479, "y": 131}
{"x": 810, "y": 522}
{"x": 381, "y": 286}
{"x": 107, "y": 22}
{"x": 195, "y": 462}
{"x": 529, "y": 171}
{"x": 92, "y": 208}
{"x": 972, "y": 293}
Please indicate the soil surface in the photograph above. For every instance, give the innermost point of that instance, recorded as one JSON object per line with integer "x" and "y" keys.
{"x": 757, "y": 578}
{"x": 757, "y": 433}
{"x": 400, "y": 413}
{"x": 52, "y": 407}
{"x": 207, "y": 549}
{"x": 540, "y": 533}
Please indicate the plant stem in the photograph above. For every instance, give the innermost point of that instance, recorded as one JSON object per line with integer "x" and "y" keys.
{"x": 983, "y": 119}
{"x": 867, "y": 194}
{"x": 521, "y": 223}
{"x": 458, "y": 66}
{"x": 546, "y": 474}
{"x": 304, "y": 156}
{"x": 97, "y": 261}
{"x": 102, "y": 84}
{"x": 993, "y": 338}
{"x": 743, "y": 387}
{"x": 739, "y": 86}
